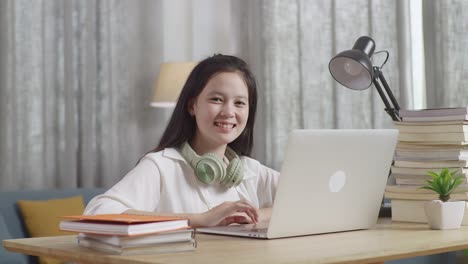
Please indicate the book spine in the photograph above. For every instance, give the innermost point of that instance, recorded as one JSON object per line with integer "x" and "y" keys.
{"x": 436, "y": 118}
{"x": 413, "y": 211}
{"x": 423, "y": 196}
{"x": 422, "y": 171}
{"x": 425, "y": 127}
{"x": 456, "y": 137}
{"x": 434, "y": 112}
{"x": 415, "y": 181}
{"x": 430, "y": 165}
{"x": 408, "y": 211}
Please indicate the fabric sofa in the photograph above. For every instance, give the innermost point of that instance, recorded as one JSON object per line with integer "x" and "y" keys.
{"x": 11, "y": 224}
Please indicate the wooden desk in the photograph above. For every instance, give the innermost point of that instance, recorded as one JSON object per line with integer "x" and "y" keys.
{"x": 387, "y": 241}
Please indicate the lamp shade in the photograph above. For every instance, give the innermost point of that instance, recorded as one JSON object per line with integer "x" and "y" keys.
{"x": 171, "y": 80}
{"x": 353, "y": 68}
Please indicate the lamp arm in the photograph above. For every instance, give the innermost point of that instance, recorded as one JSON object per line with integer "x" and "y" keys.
{"x": 393, "y": 112}
{"x": 387, "y": 89}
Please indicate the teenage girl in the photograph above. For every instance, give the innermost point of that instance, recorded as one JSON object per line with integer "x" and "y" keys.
{"x": 201, "y": 168}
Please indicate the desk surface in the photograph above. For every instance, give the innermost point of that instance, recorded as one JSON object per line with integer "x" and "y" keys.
{"x": 386, "y": 241}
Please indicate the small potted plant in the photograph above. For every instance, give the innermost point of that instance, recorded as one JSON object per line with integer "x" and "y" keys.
{"x": 443, "y": 213}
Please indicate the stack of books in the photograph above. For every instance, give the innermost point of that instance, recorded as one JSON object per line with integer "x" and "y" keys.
{"x": 131, "y": 234}
{"x": 429, "y": 140}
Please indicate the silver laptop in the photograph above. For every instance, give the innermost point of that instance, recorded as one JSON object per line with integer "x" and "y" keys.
{"x": 331, "y": 181}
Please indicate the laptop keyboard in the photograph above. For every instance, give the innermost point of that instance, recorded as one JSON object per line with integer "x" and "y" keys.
{"x": 257, "y": 230}
{"x": 246, "y": 229}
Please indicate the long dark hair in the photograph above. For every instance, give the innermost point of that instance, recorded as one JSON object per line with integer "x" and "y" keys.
{"x": 182, "y": 125}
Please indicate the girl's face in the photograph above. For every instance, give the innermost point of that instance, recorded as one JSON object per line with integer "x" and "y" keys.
{"x": 221, "y": 110}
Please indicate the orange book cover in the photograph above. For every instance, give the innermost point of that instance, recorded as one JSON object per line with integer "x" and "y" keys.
{"x": 123, "y": 218}
{"x": 122, "y": 224}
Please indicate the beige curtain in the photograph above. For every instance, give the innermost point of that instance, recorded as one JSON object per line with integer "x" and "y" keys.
{"x": 300, "y": 37}
{"x": 446, "y": 41}
{"x": 76, "y": 77}
{"x": 75, "y": 82}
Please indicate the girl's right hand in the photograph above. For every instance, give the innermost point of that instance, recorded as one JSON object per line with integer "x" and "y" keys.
{"x": 226, "y": 214}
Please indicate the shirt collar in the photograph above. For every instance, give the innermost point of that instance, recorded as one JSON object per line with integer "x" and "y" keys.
{"x": 173, "y": 153}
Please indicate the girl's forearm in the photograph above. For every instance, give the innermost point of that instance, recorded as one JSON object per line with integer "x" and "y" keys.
{"x": 195, "y": 220}
{"x": 219, "y": 215}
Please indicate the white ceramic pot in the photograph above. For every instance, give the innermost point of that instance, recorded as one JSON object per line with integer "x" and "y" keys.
{"x": 448, "y": 215}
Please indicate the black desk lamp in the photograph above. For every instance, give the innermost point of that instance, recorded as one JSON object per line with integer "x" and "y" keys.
{"x": 353, "y": 69}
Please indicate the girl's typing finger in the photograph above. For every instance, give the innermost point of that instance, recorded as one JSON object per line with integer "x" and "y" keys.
{"x": 247, "y": 209}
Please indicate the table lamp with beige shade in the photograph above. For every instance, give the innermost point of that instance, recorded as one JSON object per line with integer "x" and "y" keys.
{"x": 171, "y": 80}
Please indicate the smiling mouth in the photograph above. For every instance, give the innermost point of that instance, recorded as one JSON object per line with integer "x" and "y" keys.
{"x": 224, "y": 125}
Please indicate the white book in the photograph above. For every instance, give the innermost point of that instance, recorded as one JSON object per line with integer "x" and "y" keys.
{"x": 463, "y": 196}
{"x": 431, "y": 164}
{"x": 429, "y": 146}
{"x": 420, "y": 177}
{"x": 431, "y": 137}
{"x": 429, "y": 159}
{"x": 404, "y": 181}
{"x": 413, "y": 211}
{"x": 135, "y": 250}
{"x": 430, "y": 155}
{"x": 409, "y": 181}
{"x": 423, "y": 171}
{"x": 408, "y": 211}
{"x": 432, "y": 127}
{"x": 434, "y": 112}
{"x": 436, "y": 118}
{"x": 126, "y": 241}
{"x": 416, "y": 189}
{"x": 416, "y": 179}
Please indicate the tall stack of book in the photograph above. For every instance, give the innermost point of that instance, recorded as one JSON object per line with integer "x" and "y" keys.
{"x": 131, "y": 234}
{"x": 429, "y": 140}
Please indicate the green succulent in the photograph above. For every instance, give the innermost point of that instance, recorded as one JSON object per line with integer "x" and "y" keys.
{"x": 443, "y": 183}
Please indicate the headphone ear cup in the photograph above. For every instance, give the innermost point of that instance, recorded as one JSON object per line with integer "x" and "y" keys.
{"x": 234, "y": 173}
{"x": 208, "y": 169}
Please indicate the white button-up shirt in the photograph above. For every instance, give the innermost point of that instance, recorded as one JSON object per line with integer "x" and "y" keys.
{"x": 165, "y": 182}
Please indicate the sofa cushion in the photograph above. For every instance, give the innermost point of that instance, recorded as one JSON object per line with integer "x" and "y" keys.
{"x": 7, "y": 256}
{"x": 12, "y": 216}
{"x": 42, "y": 217}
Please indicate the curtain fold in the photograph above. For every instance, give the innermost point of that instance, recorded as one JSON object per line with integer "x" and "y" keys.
{"x": 445, "y": 40}
{"x": 76, "y": 80}
{"x": 300, "y": 37}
